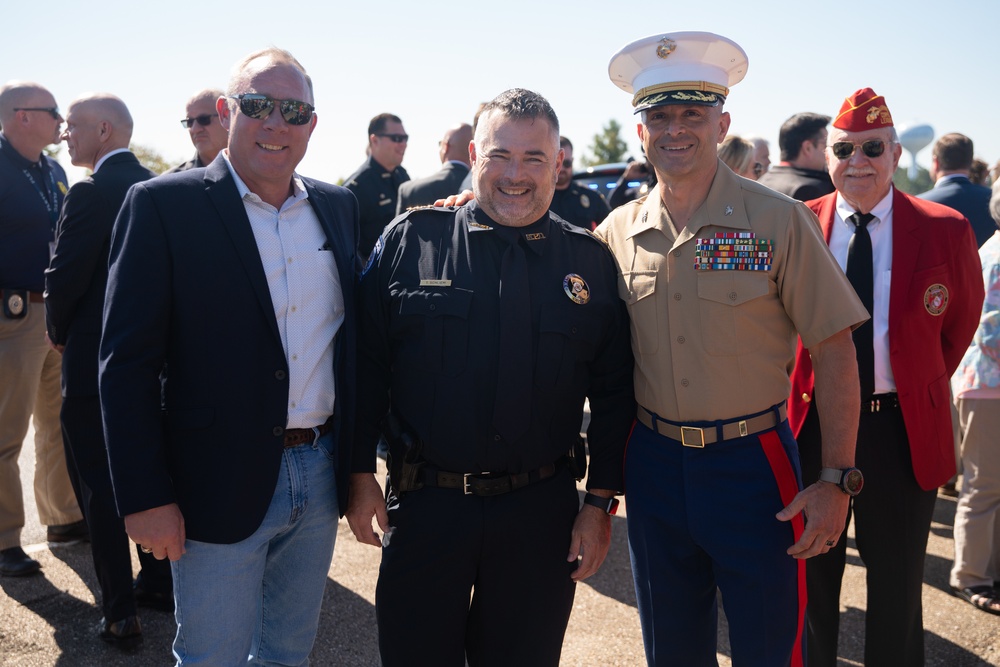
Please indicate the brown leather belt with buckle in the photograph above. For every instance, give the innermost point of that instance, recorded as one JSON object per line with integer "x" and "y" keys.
{"x": 699, "y": 436}
{"x": 484, "y": 483}
{"x": 880, "y": 402}
{"x": 301, "y": 436}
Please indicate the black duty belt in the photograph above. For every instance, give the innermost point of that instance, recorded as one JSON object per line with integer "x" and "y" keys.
{"x": 728, "y": 429}
{"x": 301, "y": 436}
{"x": 880, "y": 402}
{"x": 485, "y": 483}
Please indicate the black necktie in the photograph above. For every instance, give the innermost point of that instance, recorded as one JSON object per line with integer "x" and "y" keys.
{"x": 861, "y": 273}
{"x": 512, "y": 408}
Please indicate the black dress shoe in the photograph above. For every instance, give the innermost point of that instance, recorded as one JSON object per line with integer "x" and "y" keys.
{"x": 68, "y": 532}
{"x": 124, "y": 632}
{"x": 152, "y": 599}
{"x": 15, "y": 563}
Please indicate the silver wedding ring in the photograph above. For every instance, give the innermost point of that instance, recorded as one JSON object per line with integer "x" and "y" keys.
{"x": 147, "y": 550}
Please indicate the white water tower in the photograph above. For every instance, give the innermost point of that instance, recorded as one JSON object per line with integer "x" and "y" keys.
{"x": 914, "y": 138}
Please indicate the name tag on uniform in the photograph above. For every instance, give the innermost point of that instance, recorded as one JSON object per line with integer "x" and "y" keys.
{"x": 435, "y": 283}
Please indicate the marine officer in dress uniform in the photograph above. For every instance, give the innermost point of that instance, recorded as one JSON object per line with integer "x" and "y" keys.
{"x": 719, "y": 274}
{"x": 377, "y": 180}
{"x": 484, "y": 328}
{"x": 581, "y": 206}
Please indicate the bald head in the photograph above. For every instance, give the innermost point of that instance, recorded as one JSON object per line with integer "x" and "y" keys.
{"x": 455, "y": 144}
{"x": 96, "y": 125}
{"x": 204, "y": 127}
{"x": 29, "y": 117}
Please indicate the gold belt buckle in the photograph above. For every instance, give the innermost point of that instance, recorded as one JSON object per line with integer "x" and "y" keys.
{"x": 696, "y": 440}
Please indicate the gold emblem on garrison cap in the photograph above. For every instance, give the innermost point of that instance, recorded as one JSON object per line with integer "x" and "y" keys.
{"x": 576, "y": 288}
{"x": 936, "y": 299}
{"x": 665, "y": 47}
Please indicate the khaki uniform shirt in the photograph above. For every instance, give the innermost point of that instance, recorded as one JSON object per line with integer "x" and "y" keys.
{"x": 719, "y": 344}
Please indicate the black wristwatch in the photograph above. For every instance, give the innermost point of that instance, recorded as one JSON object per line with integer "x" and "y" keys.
{"x": 848, "y": 480}
{"x": 607, "y": 505}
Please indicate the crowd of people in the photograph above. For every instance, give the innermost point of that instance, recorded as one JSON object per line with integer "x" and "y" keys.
{"x": 768, "y": 352}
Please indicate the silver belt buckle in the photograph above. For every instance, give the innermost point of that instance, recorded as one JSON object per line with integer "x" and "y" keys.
{"x": 466, "y": 488}
{"x": 697, "y": 437}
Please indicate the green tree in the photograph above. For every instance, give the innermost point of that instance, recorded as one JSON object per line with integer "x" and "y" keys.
{"x": 922, "y": 183}
{"x": 608, "y": 145}
{"x": 150, "y": 158}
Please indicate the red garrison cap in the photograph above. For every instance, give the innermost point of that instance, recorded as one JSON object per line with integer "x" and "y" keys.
{"x": 864, "y": 110}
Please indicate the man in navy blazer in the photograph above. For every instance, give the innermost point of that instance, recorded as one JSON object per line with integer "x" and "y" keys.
{"x": 98, "y": 130}
{"x": 453, "y": 150}
{"x": 227, "y": 374}
{"x": 950, "y": 165}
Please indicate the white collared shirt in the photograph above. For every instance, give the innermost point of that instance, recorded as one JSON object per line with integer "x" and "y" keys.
{"x": 880, "y": 230}
{"x": 106, "y": 156}
{"x": 306, "y": 294}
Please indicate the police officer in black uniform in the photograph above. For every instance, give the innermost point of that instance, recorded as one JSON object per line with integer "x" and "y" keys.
{"x": 483, "y": 329}
{"x": 581, "y": 206}
{"x": 377, "y": 180}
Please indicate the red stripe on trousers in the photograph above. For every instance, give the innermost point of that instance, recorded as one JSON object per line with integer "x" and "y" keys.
{"x": 788, "y": 487}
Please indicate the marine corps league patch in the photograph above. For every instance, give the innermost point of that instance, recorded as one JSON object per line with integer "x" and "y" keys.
{"x": 936, "y": 299}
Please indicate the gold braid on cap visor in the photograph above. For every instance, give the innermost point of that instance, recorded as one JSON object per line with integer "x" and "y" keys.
{"x": 677, "y": 86}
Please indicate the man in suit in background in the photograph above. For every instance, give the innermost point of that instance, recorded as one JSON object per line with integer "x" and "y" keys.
{"x": 205, "y": 128}
{"x": 98, "y": 130}
{"x": 801, "y": 174}
{"x": 453, "y": 150}
{"x": 914, "y": 266}
{"x": 233, "y": 461}
{"x": 950, "y": 165}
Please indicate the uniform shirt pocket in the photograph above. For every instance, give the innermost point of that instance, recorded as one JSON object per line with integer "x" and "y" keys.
{"x": 439, "y": 322}
{"x": 637, "y": 289}
{"x": 728, "y": 317}
{"x": 566, "y": 344}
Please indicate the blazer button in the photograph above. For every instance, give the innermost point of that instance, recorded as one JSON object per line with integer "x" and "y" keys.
{"x": 806, "y": 397}
{"x": 279, "y": 375}
{"x": 278, "y": 430}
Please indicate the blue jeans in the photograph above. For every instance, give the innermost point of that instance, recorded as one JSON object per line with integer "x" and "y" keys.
{"x": 258, "y": 601}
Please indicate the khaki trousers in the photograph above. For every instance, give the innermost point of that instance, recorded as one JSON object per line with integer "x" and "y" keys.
{"x": 977, "y": 540}
{"x": 30, "y": 387}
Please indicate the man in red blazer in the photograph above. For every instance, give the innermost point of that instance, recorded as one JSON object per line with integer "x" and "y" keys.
{"x": 915, "y": 267}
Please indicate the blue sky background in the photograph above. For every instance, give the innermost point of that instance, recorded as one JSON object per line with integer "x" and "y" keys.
{"x": 432, "y": 62}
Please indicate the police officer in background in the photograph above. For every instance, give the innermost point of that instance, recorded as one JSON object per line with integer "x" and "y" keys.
{"x": 581, "y": 206}
{"x": 719, "y": 274}
{"x": 483, "y": 329}
{"x": 377, "y": 180}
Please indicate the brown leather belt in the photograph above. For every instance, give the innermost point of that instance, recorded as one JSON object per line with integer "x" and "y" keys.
{"x": 301, "y": 436}
{"x": 699, "y": 436}
{"x": 36, "y": 297}
{"x": 486, "y": 484}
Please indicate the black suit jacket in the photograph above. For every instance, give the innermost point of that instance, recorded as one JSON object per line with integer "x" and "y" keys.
{"x": 425, "y": 191}
{"x": 78, "y": 273}
{"x": 969, "y": 199}
{"x": 187, "y": 291}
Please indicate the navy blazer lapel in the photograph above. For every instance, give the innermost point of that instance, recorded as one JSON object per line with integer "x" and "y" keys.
{"x": 335, "y": 234}
{"x": 221, "y": 189}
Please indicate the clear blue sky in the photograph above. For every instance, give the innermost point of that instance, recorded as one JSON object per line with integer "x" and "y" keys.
{"x": 432, "y": 62}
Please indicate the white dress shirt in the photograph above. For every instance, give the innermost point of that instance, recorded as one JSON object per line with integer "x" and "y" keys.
{"x": 880, "y": 230}
{"x": 306, "y": 294}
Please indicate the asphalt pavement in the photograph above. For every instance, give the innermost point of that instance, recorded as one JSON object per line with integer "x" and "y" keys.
{"x": 50, "y": 619}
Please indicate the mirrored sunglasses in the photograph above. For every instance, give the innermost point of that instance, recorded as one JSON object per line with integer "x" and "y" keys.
{"x": 843, "y": 150}
{"x": 260, "y": 107}
{"x": 204, "y": 120}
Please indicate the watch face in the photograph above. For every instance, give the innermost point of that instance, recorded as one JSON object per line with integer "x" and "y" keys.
{"x": 853, "y": 481}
